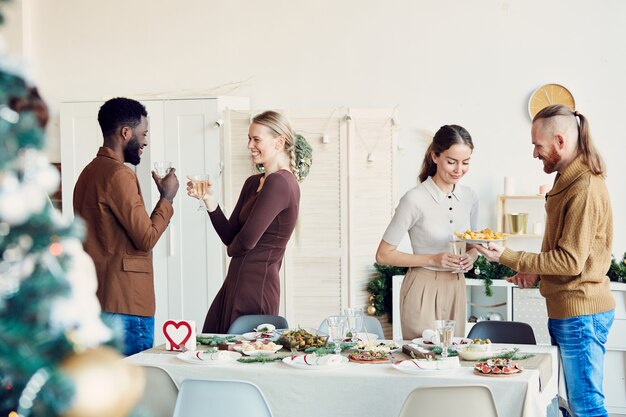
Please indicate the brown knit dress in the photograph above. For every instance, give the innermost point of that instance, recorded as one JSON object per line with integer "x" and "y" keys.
{"x": 256, "y": 235}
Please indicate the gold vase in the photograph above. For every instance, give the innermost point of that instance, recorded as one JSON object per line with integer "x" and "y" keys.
{"x": 517, "y": 223}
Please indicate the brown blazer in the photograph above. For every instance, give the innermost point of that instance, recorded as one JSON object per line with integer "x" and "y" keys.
{"x": 120, "y": 235}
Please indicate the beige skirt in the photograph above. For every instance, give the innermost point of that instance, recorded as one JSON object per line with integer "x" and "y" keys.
{"x": 426, "y": 296}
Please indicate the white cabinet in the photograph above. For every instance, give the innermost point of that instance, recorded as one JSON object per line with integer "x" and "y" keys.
{"x": 188, "y": 260}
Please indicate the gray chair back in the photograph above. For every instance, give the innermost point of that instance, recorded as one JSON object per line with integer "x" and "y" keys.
{"x": 503, "y": 332}
{"x": 247, "y": 323}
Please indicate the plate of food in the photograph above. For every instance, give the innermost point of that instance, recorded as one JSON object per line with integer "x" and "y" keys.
{"x": 262, "y": 332}
{"x": 312, "y": 362}
{"x": 426, "y": 366}
{"x": 208, "y": 357}
{"x": 387, "y": 346}
{"x": 259, "y": 348}
{"x": 429, "y": 344}
{"x": 368, "y": 356}
{"x": 301, "y": 339}
{"x": 481, "y": 237}
{"x": 497, "y": 368}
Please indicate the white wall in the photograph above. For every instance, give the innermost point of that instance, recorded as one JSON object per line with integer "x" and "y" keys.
{"x": 473, "y": 63}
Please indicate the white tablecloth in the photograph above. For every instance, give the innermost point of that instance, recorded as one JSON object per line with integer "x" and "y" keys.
{"x": 362, "y": 390}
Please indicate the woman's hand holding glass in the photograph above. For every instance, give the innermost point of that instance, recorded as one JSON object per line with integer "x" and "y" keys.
{"x": 200, "y": 187}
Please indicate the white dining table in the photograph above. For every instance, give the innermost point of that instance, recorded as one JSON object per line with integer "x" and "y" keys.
{"x": 364, "y": 390}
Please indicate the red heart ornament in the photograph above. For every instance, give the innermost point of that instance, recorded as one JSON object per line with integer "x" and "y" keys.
{"x": 175, "y": 345}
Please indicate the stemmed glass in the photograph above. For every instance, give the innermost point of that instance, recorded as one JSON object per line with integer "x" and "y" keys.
{"x": 336, "y": 331}
{"x": 355, "y": 321}
{"x": 445, "y": 331}
{"x": 200, "y": 184}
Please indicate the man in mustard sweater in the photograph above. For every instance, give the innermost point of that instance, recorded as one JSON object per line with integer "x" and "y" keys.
{"x": 575, "y": 254}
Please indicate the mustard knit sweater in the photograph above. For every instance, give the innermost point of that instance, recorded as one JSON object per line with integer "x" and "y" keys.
{"x": 576, "y": 250}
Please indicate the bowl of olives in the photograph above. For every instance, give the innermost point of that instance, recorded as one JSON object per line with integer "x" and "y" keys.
{"x": 300, "y": 339}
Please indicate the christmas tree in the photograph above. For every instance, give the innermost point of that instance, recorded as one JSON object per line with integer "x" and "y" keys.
{"x": 50, "y": 328}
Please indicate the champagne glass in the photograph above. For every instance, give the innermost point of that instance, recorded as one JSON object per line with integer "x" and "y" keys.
{"x": 445, "y": 331}
{"x": 457, "y": 247}
{"x": 336, "y": 331}
{"x": 200, "y": 184}
{"x": 162, "y": 168}
{"x": 355, "y": 321}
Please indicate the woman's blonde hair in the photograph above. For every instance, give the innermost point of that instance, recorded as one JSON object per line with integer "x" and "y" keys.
{"x": 591, "y": 156}
{"x": 280, "y": 126}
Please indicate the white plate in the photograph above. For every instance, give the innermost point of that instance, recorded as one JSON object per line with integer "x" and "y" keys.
{"x": 262, "y": 352}
{"x": 195, "y": 357}
{"x": 456, "y": 341}
{"x": 412, "y": 367}
{"x": 253, "y": 336}
{"x": 289, "y": 361}
{"x": 366, "y": 336}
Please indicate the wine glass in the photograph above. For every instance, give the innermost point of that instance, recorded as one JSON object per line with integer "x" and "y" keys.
{"x": 200, "y": 184}
{"x": 336, "y": 331}
{"x": 445, "y": 331}
{"x": 355, "y": 321}
{"x": 457, "y": 247}
{"x": 162, "y": 168}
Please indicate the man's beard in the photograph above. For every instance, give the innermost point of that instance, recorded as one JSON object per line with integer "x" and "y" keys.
{"x": 131, "y": 153}
{"x": 551, "y": 161}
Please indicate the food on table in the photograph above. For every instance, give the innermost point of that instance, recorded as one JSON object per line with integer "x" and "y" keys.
{"x": 481, "y": 341}
{"x": 369, "y": 357}
{"x": 485, "y": 234}
{"x": 265, "y": 331}
{"x": 259, "y": 345}
{"x": 301, "y": 339}
{"x": 376, "y": 346}
{"x": 498, "y": 366}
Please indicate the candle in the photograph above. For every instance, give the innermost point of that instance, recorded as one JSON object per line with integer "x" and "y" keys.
{"x": 538, "y": 228}
{"x": 543, "y": 189}
{"x": 509, "y": 185}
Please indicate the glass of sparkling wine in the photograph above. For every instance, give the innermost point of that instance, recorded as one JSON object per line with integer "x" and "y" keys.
{"x": 456, "y": 247}
{"x": 200, "y": 184}
{"x": 336, "y": 331}
{"x": 445, "y": 331}
{"x": 355, "y": 321}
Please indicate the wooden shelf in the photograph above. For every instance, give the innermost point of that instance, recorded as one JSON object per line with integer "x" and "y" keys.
{"x": 523, "y": 235}
{"x": 501, "y": 212}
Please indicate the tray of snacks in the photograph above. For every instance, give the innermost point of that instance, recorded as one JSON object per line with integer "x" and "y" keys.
{"x": 483, "y": 236}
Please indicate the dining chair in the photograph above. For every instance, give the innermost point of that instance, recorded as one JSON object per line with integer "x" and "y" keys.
{"x": 501, "y": 331}
{"x": 247, "y": 323}
{"x": 199, "y": 398}
{"x": 371, "y": 324}
{"x": 160, "y": 393}
{"x": 450, "y": 401}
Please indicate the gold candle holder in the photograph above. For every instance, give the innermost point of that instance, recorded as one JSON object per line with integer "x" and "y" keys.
{"x": 517, "y": 223}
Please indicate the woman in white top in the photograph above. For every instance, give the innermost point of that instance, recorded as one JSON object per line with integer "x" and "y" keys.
{"x": 431, "y": 212}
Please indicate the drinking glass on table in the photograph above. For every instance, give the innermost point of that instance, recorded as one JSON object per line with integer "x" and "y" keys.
{"x": 200, "y": 184}
{"x": 162, "y": 168}
{"x": 354, "y": 317}
{"x": 445, "y": 331}
{"x": 457, "y": 247}
{"x": 336, "y": 331}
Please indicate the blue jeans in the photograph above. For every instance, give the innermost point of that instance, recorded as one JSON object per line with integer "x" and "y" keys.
{"x": 581, "y": 342}
{"x": 137, "y": 331}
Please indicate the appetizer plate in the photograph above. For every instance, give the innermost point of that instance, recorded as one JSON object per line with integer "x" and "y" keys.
{"x": 293, "y": 362}
{"x": 262, "y": 352}
{"x": 483, "y": 242}
{"x": 201, "y": 357}
{"x": 386, "y": 345}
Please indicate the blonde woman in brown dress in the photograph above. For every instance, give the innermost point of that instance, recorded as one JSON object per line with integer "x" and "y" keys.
{"x": 258, "y": 229}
